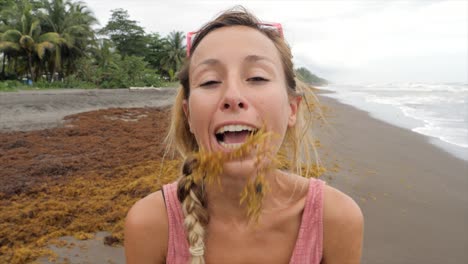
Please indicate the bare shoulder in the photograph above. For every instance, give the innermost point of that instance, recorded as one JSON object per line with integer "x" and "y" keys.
{"x": 339, "y": 207}
{"x": 146, "y": 230}
{"x": 343, "y": 225}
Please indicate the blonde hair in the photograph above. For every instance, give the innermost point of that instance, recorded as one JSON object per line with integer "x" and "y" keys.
{"x": 296, "y": 150}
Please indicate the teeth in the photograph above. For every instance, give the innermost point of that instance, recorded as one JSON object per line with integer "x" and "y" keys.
{"x": 234, "y": 128}
{"x": 231, "y": 146}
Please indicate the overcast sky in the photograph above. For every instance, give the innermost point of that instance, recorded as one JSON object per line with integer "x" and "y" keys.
{"x": 344, "y": 41}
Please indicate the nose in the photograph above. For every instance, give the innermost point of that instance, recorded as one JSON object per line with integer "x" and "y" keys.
{"x": 233, "y": 105}
{"x": 233, "y": 99}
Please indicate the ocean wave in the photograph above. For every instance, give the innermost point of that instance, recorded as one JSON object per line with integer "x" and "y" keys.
{"x": 455, "y": 136}
{"x": 415, "y": 99}
{"x": 417, "y": 87}
{"x": 439, "y": 110}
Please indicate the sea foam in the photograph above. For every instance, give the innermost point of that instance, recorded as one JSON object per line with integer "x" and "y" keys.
{"x": 438, "y": 110}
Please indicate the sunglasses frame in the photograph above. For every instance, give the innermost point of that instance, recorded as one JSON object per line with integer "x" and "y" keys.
{"x": 272, "y": 24}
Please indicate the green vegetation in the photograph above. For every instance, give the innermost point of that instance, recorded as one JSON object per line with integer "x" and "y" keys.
{"x": 53, "y": 43}
{"x": 306, "y": 76}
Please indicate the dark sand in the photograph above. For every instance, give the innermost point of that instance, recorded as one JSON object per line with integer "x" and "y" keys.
{"x": 413, "y": 195}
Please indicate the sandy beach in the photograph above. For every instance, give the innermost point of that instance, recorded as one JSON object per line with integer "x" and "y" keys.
{"x": 413, "y": 194}
{"x": 33, "y": 110}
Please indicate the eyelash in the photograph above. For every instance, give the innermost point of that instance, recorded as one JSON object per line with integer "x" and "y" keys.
{"x": 209, "y": 83}
{"x": 254, "y": 79}
{"x": 258, "y": 79}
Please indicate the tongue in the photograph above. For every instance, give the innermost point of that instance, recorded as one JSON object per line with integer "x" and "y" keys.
{"x": 235, "y": 137}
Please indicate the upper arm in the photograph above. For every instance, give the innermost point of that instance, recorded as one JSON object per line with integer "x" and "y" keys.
{"x": 343, "y": 228}
{"x": 146, "y": 231}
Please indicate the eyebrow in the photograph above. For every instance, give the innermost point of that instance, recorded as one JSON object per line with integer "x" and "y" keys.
{"x": 255, "y": 58}
{"x": 208, "y": 62}
{"x": 249, "y": 58}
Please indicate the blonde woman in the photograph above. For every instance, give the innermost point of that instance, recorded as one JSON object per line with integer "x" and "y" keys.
{"x": 239, "y": 80}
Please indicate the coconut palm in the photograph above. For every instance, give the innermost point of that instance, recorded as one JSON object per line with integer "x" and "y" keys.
{"x": 103, "y": 54}
{"x": 73, "y": 22}
{"x": 174, "y": 53}
{"x": 29, "y": 42}
{"x": 9, "y": 19}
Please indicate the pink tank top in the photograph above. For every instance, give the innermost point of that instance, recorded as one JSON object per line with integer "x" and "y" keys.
{"x": 308, "y": 248}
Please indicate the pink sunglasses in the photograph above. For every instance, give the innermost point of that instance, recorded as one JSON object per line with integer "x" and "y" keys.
{"x": 277, "y": 26}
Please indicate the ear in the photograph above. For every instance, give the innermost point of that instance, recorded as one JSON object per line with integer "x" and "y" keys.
{"x": 294, "y": 107}
{"x": 185, "y": 107}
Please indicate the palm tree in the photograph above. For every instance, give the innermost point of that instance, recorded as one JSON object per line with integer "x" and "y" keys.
{"x": 28, "y": 41}
{"x": 103, "y": 54}
{"x": 73, "y": 22}
{"x": 22, "y": 38}
{"x": 8, "y": 18}
{"x": 174, "y": 53}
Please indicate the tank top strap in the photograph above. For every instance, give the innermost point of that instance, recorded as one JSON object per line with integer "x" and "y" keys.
{"x": 309, "y": 243}
{"x": 178, "y": 248}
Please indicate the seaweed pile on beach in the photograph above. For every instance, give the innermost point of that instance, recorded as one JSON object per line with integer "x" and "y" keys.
{"x": 80, "y": 178}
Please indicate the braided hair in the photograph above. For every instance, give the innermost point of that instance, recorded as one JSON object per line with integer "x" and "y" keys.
{"x": 192, "y": 196}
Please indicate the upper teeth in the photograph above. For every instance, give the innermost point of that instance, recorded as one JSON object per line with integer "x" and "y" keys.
{"x": 234, "y": 128}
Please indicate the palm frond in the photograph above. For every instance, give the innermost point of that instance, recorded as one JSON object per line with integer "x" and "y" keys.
{"x": 52, "y": 37}
{"x": 7, "y": 46}
{"x": 12, "y": 35}
{"x": 42, "y": 47}
{"x": 35, "y": 29}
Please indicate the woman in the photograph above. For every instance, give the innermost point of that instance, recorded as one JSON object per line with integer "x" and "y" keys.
{"x": 238, "y": 84}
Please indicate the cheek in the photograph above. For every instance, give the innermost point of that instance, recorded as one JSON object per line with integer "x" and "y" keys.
{"x": 274, "y": 112}
{"x": 201, "y": 110}
{"x": 276, "y": 108}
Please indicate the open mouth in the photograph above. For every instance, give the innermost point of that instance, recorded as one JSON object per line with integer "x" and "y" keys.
{"x": 233, "y": 136}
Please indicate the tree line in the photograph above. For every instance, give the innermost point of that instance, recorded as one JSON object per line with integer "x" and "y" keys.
{"x": 57, "y": 43}
{"x": 56, "y": 40}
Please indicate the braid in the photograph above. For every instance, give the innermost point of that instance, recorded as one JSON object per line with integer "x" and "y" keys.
{"x": 192, "y": 196}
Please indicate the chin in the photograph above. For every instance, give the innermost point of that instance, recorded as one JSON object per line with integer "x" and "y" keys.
{"x": 239, "y": 168}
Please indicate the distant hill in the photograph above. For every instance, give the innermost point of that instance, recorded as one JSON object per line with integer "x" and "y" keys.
{"x": 306, "y": 76}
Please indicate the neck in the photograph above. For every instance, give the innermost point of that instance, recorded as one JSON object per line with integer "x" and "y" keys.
{"x": 224, "y": 200}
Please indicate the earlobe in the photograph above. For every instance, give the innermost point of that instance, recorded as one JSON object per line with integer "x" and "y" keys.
{"x": 294, "y": 105}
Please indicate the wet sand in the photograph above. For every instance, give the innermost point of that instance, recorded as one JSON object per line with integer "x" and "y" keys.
{"x": 413, "y": 195}
{"x": 92, "y": 251}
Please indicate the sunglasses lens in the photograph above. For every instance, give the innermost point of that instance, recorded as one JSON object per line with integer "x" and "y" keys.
{"x": 272, "y": 27}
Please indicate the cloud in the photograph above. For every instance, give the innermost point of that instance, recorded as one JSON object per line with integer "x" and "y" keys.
{"x": 338, "y": 38}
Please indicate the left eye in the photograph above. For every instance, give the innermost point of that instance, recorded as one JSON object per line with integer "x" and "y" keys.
{"x": 257, "y": 79}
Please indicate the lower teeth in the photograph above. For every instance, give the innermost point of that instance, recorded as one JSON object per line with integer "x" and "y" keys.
{"x": 231, "y": 146}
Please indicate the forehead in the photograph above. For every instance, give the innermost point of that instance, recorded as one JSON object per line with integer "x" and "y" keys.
{"x": 232, "y": 43}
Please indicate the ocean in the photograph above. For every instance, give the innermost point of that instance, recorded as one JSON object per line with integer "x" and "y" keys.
{"x": 436, "y": 110}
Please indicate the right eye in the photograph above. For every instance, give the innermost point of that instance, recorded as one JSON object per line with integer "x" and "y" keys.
{"x": 209, "y": 83}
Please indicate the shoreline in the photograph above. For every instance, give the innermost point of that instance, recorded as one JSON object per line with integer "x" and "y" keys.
{"x": 412, "y": 193}
{"x": 406, "y": 122}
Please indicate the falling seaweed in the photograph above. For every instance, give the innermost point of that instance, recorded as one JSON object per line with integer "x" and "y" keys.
{"x": 208, "y": 166}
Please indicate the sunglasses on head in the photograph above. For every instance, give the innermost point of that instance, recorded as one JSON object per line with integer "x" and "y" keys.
{"x": 276, "y": 26}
